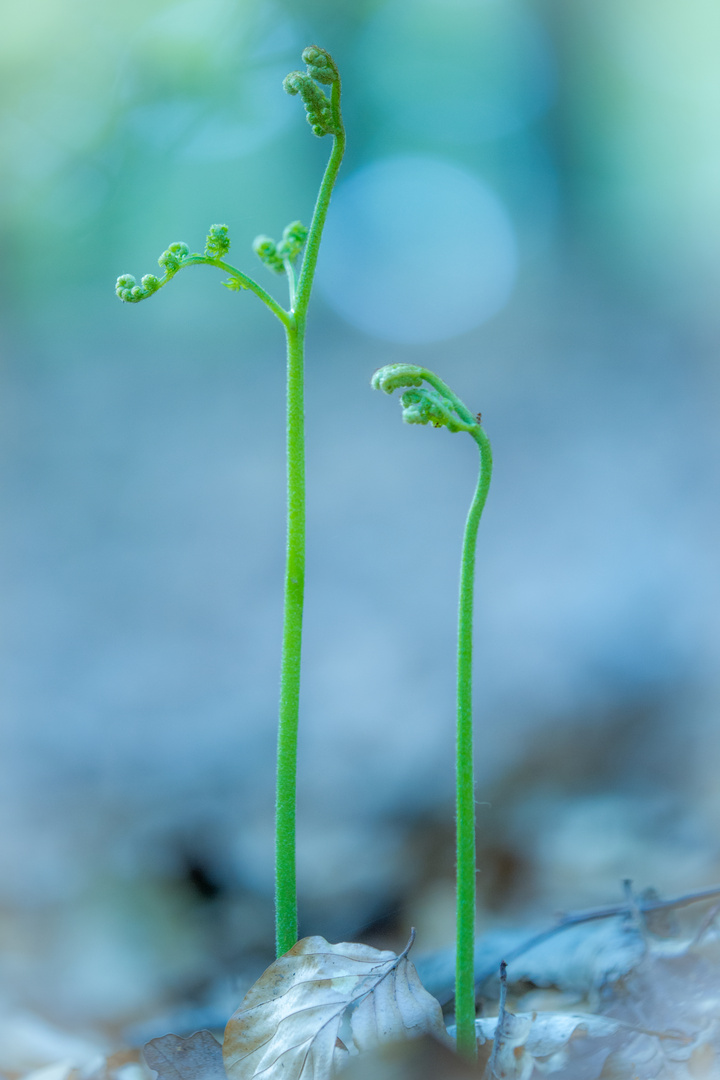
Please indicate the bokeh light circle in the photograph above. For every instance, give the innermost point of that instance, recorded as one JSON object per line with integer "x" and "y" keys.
{"x": 416, "y": 249}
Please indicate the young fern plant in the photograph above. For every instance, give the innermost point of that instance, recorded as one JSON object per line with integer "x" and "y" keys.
{"x": 427, "y": 400}
{"x": 323, "y": 115}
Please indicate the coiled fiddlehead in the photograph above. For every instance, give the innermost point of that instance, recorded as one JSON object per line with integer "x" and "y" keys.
{"x": 128, "y": 289}
{"x": 426, "y": 399}
{"x": 433, "y": 404}
{"x": 217, "y": 242}
{"x": 277, "y": 256}
{"x": 321, "y": 68}
{"x": 320, "y": 65}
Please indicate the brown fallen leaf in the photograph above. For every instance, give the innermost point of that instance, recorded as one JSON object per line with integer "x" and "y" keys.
{"x": 198, "y": 1057}
{"x": 289, "y": 1021}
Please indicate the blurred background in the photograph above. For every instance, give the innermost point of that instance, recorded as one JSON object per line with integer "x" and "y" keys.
{"x": 529, "y": 205}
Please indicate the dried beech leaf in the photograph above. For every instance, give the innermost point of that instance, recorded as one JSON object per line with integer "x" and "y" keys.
{"x": 509, "y": 1059}
{"x": 198, "y": 1057}
{"x": 675, "y": 986}
{"x": 673, "y": 990}
{"x": 399, "y": 1007}
{"x": 549, "y": 1032}
{"x": 565, "y": 1044}
{"x": 289, "y": 1020}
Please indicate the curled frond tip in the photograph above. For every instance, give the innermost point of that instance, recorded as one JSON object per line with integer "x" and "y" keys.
{"x": 171, "y": 259}
{"x": 267, "y": 252}
{"x": 293, "y": 238}
{"x": 275, "y": 256}
{"x": 321, "y": 68}
{"x": 394, "y": 376}
{"x": 320, "y": 65}
{"x": 130, "y": 292}
{"x": 432, "y": 404}
{"x": 217, "y": 242}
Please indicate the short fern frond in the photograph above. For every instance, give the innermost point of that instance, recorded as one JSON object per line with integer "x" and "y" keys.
{"x": 428, "y": 400}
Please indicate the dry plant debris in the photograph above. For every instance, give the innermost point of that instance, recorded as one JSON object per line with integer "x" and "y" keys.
{"x": 198, "y": 1058}
{"x": 658, "y": 1020}
{"x": 289, "y": 1021}
{"x": 651, "y": 1011}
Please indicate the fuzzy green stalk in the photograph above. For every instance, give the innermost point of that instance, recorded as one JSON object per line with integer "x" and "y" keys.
{"x": 323, "y": 114}
{"x": 464, "y": 772}
{"x": 285, "y": 873}
{"x": 436, "y": 404}
{"x": 286, "y": 920}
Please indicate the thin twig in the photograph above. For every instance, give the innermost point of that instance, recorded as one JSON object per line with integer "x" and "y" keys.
{"x": 409, "y": 945}
{"x": 499, "y": 1027}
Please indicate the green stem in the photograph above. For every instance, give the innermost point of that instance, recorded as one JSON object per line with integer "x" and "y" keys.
{"x": 247, "y": 282}
{"x": 285, "y": 874}
{"x": 465, "y": 782}
{"x": 307, "y": 272}
{"x": 290, "y": 272}
{"x": 461, "y": 409}
{"x": 286, "y": 922}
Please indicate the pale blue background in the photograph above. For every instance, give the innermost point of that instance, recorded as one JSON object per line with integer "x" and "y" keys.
{"x": 548, "y": 175}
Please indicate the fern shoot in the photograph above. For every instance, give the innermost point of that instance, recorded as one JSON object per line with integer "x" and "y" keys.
{"x": 427, "y": 400}
{"x": 324, "y": 117}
